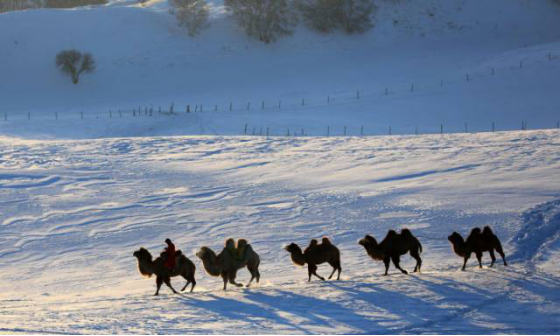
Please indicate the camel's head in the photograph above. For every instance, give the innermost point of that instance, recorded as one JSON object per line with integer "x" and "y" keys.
{"x": 293, "y": 248}
{"x": 368, "y": 241}
{"x": 142, "y": 254}
{"x": 204, "y": 253}
{"x": 455, "y": 239}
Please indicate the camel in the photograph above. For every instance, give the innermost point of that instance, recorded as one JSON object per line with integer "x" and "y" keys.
{"x": 477, "y": 243}
{"x": 392, "y": 247}
{"x": 184, "y": 267}
{"x": 230, "y": 260}
{"x": 316, "y": 254}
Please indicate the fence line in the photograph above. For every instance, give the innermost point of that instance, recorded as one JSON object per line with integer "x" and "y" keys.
{"x": 359, "y": 95}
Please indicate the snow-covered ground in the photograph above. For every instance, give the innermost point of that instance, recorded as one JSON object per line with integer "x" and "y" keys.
{"x": 74, "y": 211}
{"x": 85, "y": 180}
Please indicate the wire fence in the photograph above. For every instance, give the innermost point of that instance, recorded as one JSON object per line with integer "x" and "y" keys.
{"x": 342, "y": 98}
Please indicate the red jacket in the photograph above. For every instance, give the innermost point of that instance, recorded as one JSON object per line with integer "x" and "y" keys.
{"x": 170, "y": 262}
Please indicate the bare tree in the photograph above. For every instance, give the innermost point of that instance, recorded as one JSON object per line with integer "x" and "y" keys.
{"x": 74, "y": 63}
{"x": 265, "y": 19}
{"x": 353, "y": 16}
{"x": 191, "y": 13}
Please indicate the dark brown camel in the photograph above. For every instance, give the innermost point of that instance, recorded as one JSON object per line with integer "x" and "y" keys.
{"x": 477, "y": 243}
{"x": 316, "y": 254}
{"x": 183, "y": 267}
{"x": 393, "y": 247}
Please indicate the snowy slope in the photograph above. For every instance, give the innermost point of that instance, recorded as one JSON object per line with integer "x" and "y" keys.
{"x": 74, "y": 211}
{"x": 145, "y": 60}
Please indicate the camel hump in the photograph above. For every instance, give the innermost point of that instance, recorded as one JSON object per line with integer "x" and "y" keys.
{"x": 391, "y": 233}
{"x": 178, "y": 253}
{"x": 326, "y": 241}
{"x": 476, "y": 231}
{"x": 406, "y": 233}
{"x": 313, "y": 242}
{"x": 487, "y": 231}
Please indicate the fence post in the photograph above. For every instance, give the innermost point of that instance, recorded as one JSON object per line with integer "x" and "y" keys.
{"x": 245, "y": 131}
{"x": 267, "y": 132}
{"x": 279, "y": 104}
{"x": 441, "y": 82}
{"x": 196, "y": 108}
{"x": 493, "y": 127}
{"x": 549, "y": 56}
{"x": 412, "y": 88}
{"x": 159, "y": 110}
{"x": 416, "y": 130}
{"x": 328, "y": 130}
{"x": 110, "y": 113}
{"x": 362, "y": 130}
{"x": 467, "y": 77}
{"x": 328, "y": 99}
{"x": 55, "y": 115}
{"x": 253, "y": 130}
{"x": 230, "y": 106}
{"x": 120, "y": 114}
{"x": 188, "y": 109}
{"x": 28, "y": 115}
{"x": 248, "y": 106}
{"x": 82, "y": 115}
{"x": 386, "y": 91}
{"x": 302, "y": 132}
{"x": 466, "y": 129}
{"x": 200, "y": 107}
{"x": 262, "y": 106}
{"x": 216, "y": 108}
{"x": 521, "y": 64}
{"x": 288, "y": 132}
{"x": 357, "y": 94}
{"x": 493, "y": 71}
{"x": 390, "y": 130}
{"x": 441, "y": 129}
{"x": 260, "y": 133}
{"x": 303, "y": 102}
{"x": 345, "y": 130}
{"x": 134, "y": 112}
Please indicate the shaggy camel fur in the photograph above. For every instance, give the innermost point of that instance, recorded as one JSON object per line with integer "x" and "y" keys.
{"x": 230, "y": 260}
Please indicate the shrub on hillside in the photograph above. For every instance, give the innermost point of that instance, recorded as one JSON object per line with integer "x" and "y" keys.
{"x": 266, "y": 20}
{"x": 191, "y": 13}
{"x": 74, "y": 63}
{"x": 353, "y": 16}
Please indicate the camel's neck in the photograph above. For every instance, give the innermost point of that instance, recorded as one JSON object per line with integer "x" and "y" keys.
{"x": 459, "y": 247}
{"x": 211, "y": 264}
{"x": 146, "y": 267}
{"x": 297, "y": 257}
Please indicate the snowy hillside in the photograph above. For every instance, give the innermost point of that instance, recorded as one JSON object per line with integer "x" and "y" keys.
{"x": 145, "y": 60}
{"x": 276, "y": 148}
{"x": 73, "y": 212}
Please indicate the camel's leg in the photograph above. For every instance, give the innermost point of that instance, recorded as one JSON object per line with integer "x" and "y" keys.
{"x": 185, "y": 287}
{"x": 465, "y": 259}
{"x": 387, "y": 262}
{"x": 231, "y": 277}
{"x": 159, "y": 281}
{"x": 479, "y": 258}
{"x": 253, "y": 272}
{"x": 492, "y": 256}
{"x": 414, "y": 254}
{"x": 225, "y": 278}
{"x": 190, "y": 280}
{"x": 336, "y": 267}
{"x": 397, "y": 261}
{"x": 168, "y": 283}
{"x": 313, "y": 271}
{"x": 501, "y": 253}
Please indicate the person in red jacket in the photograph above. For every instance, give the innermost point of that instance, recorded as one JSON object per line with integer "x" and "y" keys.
{"x": 170, "y": 261}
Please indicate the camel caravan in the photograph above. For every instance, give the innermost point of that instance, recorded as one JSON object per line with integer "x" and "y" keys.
{"x": 238, "y": 255}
